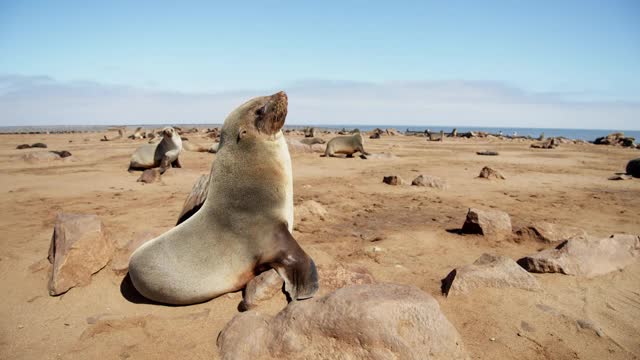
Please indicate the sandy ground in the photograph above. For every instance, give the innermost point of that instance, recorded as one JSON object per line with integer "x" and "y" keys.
{"x": 567, "y": 186}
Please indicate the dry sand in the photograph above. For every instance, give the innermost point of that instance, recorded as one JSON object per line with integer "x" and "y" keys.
{"x": 567, "y": 186}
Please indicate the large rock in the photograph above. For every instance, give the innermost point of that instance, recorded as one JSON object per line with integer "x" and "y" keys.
{"x": 491, "y": 223}
{"x": 489, "y": 173}
{"x": 549, "y": 232}
{"x": 587, "y": 257}
{"x": 393, "y": 180}
{"x": 376, "y": 322}
{"x": 332, "y": 277}
{"x": 429, "y": 181}
{"x": 489, "y": 271}
{"x": 633, "y": 168}
{"x": 310, "y": 209}
{"x": 79, "y": 248}
{"x": 195, "y": 199}
{"x": 617, "y": 139}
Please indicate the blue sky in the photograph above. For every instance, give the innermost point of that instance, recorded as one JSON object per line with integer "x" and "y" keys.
{"x": 491, "y": 63}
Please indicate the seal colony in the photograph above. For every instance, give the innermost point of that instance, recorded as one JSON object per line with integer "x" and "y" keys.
{"x": 163, "y": 154}
{"x": 244, "y": 226}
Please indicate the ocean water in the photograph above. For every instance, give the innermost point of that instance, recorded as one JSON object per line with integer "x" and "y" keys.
{"x": 583, "y": 134}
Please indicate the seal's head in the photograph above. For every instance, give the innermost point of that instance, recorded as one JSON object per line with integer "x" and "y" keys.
{"x": 259, "y": 119}
{"x": 168, "y": 132}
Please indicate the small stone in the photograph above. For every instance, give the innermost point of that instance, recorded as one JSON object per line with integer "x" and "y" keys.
{"x": 488, "y": 153}
{"x": 489, "y": 173}
{"x": 149, "y": 176}
{"x": 491, "y": 223}
{"x": 429, "y": 181}
{"x": 492, "y": 339}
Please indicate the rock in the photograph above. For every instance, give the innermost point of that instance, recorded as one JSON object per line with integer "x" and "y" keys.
{"x": 23, "y": 146}
{"x": 120, "y": 262}
{"x": 620, "y": 177}
{"x": 492, "y": 223}
{"x": 488, "y": 153}
{"x": 489, "y": 173}
{"x": 381, "y": 321}
{"x": 586, "y": 257}
{"x": 62, "y": 154}
{"x": 617, "y": 139}
{"x": 310, "y": 209}
{"x": 337, "y": 276}
{"x": 79, "y": 248}
{"x": 393, "y": 180}
{"x": 40, "y": 156}
{"x": 150, "y": 176}
{"x": 332, "y": 277}
{"x": 195, "y": 199}
{"x": 550, "y": 233}
{"x": 39, "y": 145}
{"x": 429, "y": 181}
{"x": 491, "y": 271}
{"x": 261, "y": 288}
{"x": 633, "y": 168}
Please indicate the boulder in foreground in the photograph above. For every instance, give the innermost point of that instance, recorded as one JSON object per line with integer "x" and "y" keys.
{"x": 332, "y": 277}
{"x": 491, "y": 223}
{"x": 488, "y": 271}
{"x": 79, "y": 248}
{"x": 586, "y": 257}
{"x": 380, "y": 321}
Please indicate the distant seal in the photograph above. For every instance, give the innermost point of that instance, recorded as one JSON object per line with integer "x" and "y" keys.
{"x": 346, "y": 145}
{"x": 312, "y": 140}
{"x": 163, "y": 154}
{"x": 244, "y": 226}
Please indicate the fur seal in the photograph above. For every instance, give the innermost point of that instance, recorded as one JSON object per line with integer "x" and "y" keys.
{"x": 312, "y": 140}
{"x": 346, "y": 145}
{"x": 244, "y": 226}
{"x": 163, "y": 154}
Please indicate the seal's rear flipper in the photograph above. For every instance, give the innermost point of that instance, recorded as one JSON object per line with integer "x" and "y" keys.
{"x": 295, "y": 267}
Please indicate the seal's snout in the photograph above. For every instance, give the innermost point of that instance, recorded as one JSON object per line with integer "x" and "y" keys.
{"x": 271, "y": 116}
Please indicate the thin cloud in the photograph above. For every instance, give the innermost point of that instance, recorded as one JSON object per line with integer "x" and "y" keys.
{"x": 41, "y": 100}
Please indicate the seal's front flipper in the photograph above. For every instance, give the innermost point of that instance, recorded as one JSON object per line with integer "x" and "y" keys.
{"x": 295, "y": 267}
{"x": 176, "y": 164}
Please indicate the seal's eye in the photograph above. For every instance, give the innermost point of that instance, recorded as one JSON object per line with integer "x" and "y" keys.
{"x": 261, "y": 110}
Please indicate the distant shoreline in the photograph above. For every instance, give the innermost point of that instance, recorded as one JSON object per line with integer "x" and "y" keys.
{"x": 576, "y": 134}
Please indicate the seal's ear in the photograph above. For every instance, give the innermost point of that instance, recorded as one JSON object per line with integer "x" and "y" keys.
{"x": 270, "y": 117}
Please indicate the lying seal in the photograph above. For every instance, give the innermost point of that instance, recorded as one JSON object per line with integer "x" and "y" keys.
{"x": 244, "y": 226}
{"x": 312, "y": 141}
{"x": 346, "y": 145}
{"x": 163, "y": 154}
